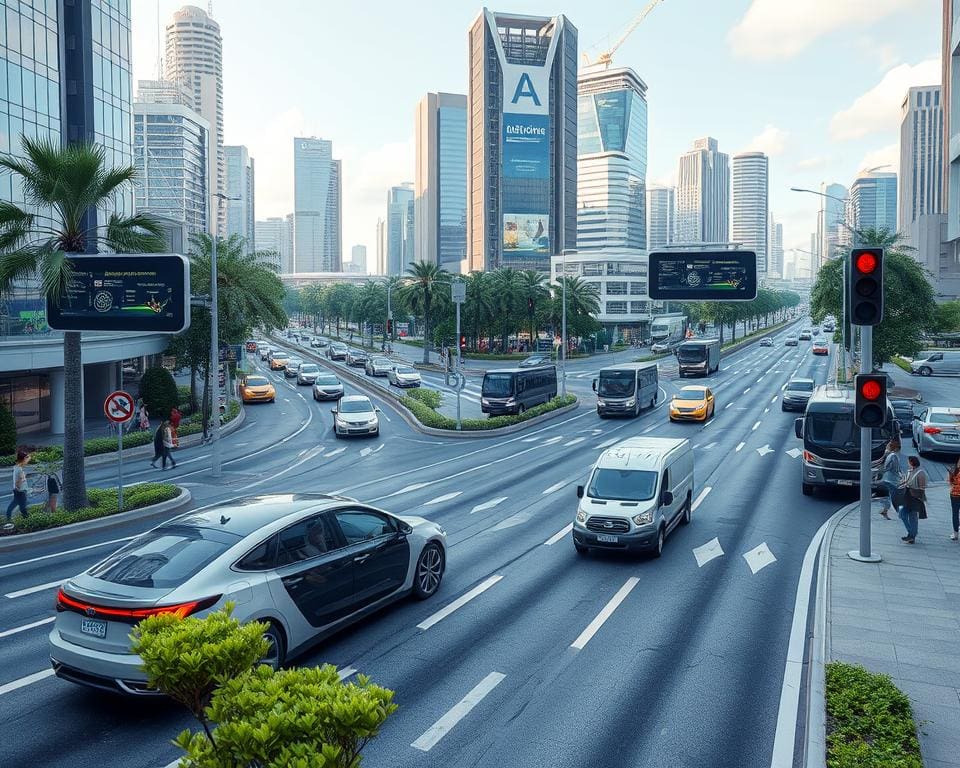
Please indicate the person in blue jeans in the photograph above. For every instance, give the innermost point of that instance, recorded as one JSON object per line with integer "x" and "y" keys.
{"x": 913, "y": 499}
{"x": 892, "y": 475}
{"x": 19, "y": 488}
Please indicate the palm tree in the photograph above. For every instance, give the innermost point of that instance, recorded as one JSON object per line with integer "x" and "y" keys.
{"x": 479, "y": 303}
{"x": 533, "y": 286}
{"x": 506, "y": 286}
{"x": 61, "y": 186}
{"x": 420, "y": 291}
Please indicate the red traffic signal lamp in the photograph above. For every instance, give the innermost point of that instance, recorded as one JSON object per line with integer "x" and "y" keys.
{"x": 866, "y": 286}
{"x": 463, "y": 341}
{"x": 870, "y": 409}
{"x": 389, "y": 326}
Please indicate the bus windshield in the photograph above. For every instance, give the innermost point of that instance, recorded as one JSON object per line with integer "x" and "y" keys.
{"x": 616, "y": 384}
{"x": 497, "y": 385}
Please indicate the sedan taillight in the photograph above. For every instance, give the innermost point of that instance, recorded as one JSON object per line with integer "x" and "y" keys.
{"x": 132, "y": 615}
{"x": 932, "y": 430}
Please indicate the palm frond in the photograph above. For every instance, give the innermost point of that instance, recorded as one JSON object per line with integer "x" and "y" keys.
{"x": 140, "y": 233}
{"x": 55, "y": 272}
{"x": 113, "y": 179}
{"x": 18, "y": 265}
{"x": 15, "y": 225}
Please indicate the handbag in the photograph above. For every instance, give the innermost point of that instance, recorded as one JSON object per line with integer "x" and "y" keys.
{"x": 921, "y": 510}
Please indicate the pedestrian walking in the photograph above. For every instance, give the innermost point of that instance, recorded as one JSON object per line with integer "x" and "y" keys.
{"x": 892, "y": 476}
{"x": 175, "y": 417}
{"x": 914, "y": 499}
{"x": 54, "y": 485}
{"x": 19, "y": 488}
{"x": 143, "y": 416}
{"x": 157, "y": 446}
{"x": 954, "y": 475}
{"x": 168, "y": 446}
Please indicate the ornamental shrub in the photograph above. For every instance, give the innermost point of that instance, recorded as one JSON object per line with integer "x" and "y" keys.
{"x": 159, "y": 392}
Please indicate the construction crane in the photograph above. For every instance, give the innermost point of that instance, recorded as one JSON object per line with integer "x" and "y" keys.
{"x": 606, "y": 58}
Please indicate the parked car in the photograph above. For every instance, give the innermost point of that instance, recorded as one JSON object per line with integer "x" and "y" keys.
{"x": 327, "y": 387}
{"x": 337, "y": 351}
{"x": 306, "y": 565}
{"x": 257, "y": 389}
{"x": 307, "y": 373}
{"x": 936, "y": 430}
{"x": 378, "y": 366}
{"x": 404, "y": 376}
{"x": 292, "y": 368}
{"x": 357, "y": 358}
{"x": 796, "y": 395}
{"x": 355, "y": 415}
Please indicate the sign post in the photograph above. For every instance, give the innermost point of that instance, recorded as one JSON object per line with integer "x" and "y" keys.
{"x": 118, "y": 408}
{"x": 458, "y": 293}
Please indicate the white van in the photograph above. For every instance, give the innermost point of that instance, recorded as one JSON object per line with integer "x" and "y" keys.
{"x": 638, "y": 491}
{"x": 946, "y": 363}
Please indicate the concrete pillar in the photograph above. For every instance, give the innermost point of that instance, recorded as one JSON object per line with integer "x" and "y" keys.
{"x": 99, "y": 381}
{"x": 57, "y": 410}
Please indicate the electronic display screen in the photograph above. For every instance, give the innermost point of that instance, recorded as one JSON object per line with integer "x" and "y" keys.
{"x": 144, "y": 292}
{"x": 703, "y": 275}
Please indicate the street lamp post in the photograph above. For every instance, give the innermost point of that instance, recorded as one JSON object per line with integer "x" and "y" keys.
{"x": 563, "y": 324}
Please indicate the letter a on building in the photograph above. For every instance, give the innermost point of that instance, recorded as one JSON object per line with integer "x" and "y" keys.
{"x": 525, "y": 89}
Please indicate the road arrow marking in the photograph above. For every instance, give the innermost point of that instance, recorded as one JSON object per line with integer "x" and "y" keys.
{"x": 441, "y": 499}
{"x": 368, "y": 451}
{"x": 764, "y": 450}
{"x": 707, "y": 552}
{"x": 514, "y": 520}
{"x": 759, "y": 558}
{"x": 335, "y": 452}
{"x": 574, "y": 441}
{"x": 488, "y": 504}
{"x": 794, "y": 453}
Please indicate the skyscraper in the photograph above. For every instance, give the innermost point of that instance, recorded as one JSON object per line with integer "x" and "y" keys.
{"x": 661, "y": 217}
{"x": 611, "y": 159}
{"x": 751, "y": 211}
{"x": 947, "y": 274}
{"x": 358, "y": 259}
{"x": 831, "y": 223}
{"x": 240, "y": 191}
{"x": 399, "y": 230}
{"x": 381, "y": 250}
{"x": 164, "y": 92}
{"x": 921, "y": 155}
{"x": 440, "y": 184}
{"x": 521, "y": 140}
{"x": 317, "y": 211}
{"x": 703, "y": 194}
{"x": 873, "y": 199}
{"x": 194, "y": 56}
{"x": 276, "y": 234}
{"x": 775, "y": 266}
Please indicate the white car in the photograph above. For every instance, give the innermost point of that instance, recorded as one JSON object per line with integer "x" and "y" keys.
{"x": 404, "y": 376}
{"x": 355, "y": 415}
{"x": 307, "y": 373}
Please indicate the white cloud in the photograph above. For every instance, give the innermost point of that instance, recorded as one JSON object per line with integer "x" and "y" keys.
{"x": 771, "y": 140}
{"x": 812, "y": 163}
{"x": 878, "y": 110}
{"x": 888, "y": 155}
{"x": 774, "y": 29}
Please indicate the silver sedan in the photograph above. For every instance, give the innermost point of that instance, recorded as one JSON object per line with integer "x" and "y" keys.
{"x": 306, "y": 565}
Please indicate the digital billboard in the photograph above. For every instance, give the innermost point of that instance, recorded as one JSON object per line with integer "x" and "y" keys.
{"x": 147, "y": 293}
{"x": 526, "y": 146}
{"x": 526, "y": 233}
{"x": 703, "y": 275}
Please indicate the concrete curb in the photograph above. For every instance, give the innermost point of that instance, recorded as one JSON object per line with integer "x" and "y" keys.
{"x": 743, "y": 344}
{"x": 10, "y": 543}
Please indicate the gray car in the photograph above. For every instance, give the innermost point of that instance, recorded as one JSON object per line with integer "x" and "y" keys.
{"x": 355, "y": 415}
{"x": 327, "y": 387}
{"x": 307, "y": 373}
{"x": 307, "y": 565}
{"x": 293, "y": 367}
{"x": 936, "y": 430}
{"x": 796, "y": 395}
{"x": 357, "y": 358}
{"x": 378, "y": 366}
{"x": 404, "y": 376}
{"x": 337, "y": 351}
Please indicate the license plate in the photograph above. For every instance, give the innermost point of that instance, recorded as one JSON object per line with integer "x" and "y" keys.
{"x": 93, "y": 627}
{"x": 606, "y": 538}
{"x": 951, "y": 437}
{"x": 846, "y": 482}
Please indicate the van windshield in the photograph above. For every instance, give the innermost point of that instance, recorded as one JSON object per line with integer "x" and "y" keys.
{"x": 838, "y": 432}
{"x": 616, "y": 384}
{"x": 497, "y": 385}
{"x": 691, "y": 354}
{"x": 622, "y": 484}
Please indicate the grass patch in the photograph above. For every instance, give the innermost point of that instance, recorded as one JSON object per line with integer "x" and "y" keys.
{"x": 430, "y": 418}
{"x": 869, "y": 721}
{"x": 103, "y": 503}
{"x": 901, "y": 363}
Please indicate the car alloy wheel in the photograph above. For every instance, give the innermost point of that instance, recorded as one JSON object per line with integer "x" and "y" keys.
{"x": 925, "y": 370}
{"x": 274, "y": 656}
{"x": 429, "y": 572}
{"x": 658, "y": 550}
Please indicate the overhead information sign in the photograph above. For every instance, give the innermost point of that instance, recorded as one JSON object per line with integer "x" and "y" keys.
{"x": 122, "y": 292}
{"x": 703, "y": 275}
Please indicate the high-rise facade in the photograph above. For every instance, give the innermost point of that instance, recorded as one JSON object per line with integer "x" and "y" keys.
{"x": 521, "y": 140}
{"x": 775, "y": 266}
{"x": 240, "y": 204}
{"x": 275, "y": 234}
{"x": 317, "y": 221}
{"x": 358, "y": 259}
{"x": 440, "y": 183}
{"x": 703, "y": 194}
{"x": 611, "y": 159}
{"x": 832, "y": 224}
{"x": 751, "y": 209}
{"x": 873, "y": 200}
{"x": 381, "y": 248}
{"x": 921, "y": 155}
{"x": 400, "y": 240}
{"x": 194, "y": 57}
{"x": 661, "y": 217}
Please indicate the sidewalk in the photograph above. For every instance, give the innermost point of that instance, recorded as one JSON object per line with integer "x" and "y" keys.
{"x": 901, "y": 617}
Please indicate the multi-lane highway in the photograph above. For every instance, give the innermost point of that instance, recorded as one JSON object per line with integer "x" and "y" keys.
{"x": 529, "y": 654}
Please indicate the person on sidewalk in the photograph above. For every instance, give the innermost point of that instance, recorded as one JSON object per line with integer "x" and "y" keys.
{"x": 892, "y": 476}
{"x": 168, "y": 446}
{"x": 143, "y": 416}
{"x": 914, "y": 498}
{"x": 954, "y": 476}
{"x": 157, "y": 446}
{"x": 54, "y": 484}
{"x": 175, "y": 417}
{"x": 19, "y": 488}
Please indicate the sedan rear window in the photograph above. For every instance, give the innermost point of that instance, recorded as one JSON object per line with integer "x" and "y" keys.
{"x": 622, "y": 484}
{"x": 801, "y": 386}
{"x": 944, "y": 418}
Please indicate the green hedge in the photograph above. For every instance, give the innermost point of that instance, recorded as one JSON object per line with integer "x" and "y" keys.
{"x": 869, "y": 721}
{"x": 103, "y": 502}
{"x": 8, "y": 430}
{"x": 429, "y": 397}
{"x": 901, "y": 363}
{"x": 430, "y": 418}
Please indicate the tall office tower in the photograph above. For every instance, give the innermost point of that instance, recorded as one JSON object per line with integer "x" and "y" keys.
{"x": 399, "y": 230}
{"x": 194, "y": 56}
{"x": 275, "y": 234}
{"x": 611, "y": 159}
{"x": 703, "y": 194}
{"x": 947, "y": 283}
{"x": 832, "y": 222}
{"x": 521, "y": 140}
{"x": 775, "y": 266}
{"x": 440, "y": 184}
{"x": 358, "y": 259}
{"x": 873, "y": 199}
{"x": 317, "y": 210}
{"x": 164, "y": 92}
{"x": 170, "y": 154}
{"x": 751, "y": 211}
{"x": 240, "y": 185}
{"x": 661, "y": 217}
{"x": 381, "y": 253}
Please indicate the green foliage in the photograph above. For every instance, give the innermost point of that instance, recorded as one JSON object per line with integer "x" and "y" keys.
{"x": 429, "y": 397}
{"x": 159, "y": 392}
{"x": 948, "y": 317}
{"x": 8, "y": 430}
{"x": 869, "y": 721}
{"x": 102, "y": 502}
{"x": 901, "y": 363}
{"x": 768, "y": 304}
{"x": 431, "y": 418}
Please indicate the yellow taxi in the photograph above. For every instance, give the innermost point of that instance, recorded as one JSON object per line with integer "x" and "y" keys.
{"x": 257, "y": 389}
{"x": 692, "y": 403}
{"x": 278, "y": 361}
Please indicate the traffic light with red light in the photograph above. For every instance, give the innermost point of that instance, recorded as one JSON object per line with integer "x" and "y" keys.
{"x": 866, "y": 286}
{"x": 463, "y": 341}
{"x": 389, "y": 326}
{"x": 870, "y": 409}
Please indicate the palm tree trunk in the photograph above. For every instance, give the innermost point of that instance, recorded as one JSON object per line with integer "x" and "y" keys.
{"x": 533, "y": 343}
{"x": 193, "y": 388}
{"x": 426, "y": 329}
{"x": 74, "y": 483}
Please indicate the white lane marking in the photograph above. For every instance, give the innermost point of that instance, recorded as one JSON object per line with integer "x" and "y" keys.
{"x": 488, "y": 504}
{"x": 700, "y": 497}
{"x": 747, "y": 390}
{"x": 32, "y": 590}
{"x": 562, "y": 533}
{"x": 605, "y": 613}
{"x": 457, "y": 712}
{"x": 334, "y": 452}
{"x": 759, "y": 557}
{"x": 774, "y": 399}
{"x": 708, "y": 446}
{"x": 529, "y": 439}
{"x": 344, "y": 672}
{"x": 407, "y": 489}
{"x": 607, "y": 443}
{"x": 728, "y": 405}
{"x": 649, "y": 429}
{"x": 784, "y": 741}
{"x": 574, "y": 441}
{"x": 384, "y": 414}
{"x": 25, "y": 627}
{"x": 368, "y": 451}
{"x": 793, "y": 453}
{"x": 554, "y": 487}
{"x": 739, "y": 447}
{"x": 25, "y": 681}
{"x": 461, "y": 601}
{"x": 754, "y": 427}
{"x": 552, "y": 440}
{"x": 64, "y": 553}
{"x": 767, "y": 409}
{"x": 764, "y": 449}
{"x": 760, "y": 379}
{"x": 707, "y": 552}
{"x": 708, "y": 424}
{"x": 784, "y": 386}
{"x": 441, "y": 499}
{"x": 519, "y": 518}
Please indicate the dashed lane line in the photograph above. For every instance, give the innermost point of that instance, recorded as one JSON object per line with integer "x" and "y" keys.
{"x": 559, "y": 535}
{"x": 739, "y": 447}
{"x": 754, "y": 427}
{"x": 459, "y": 711}
{"x": 33, "y": 590}
{"x": 488, "y": 504}
{"x": 554, "y": 487}
{"x": 608, "y": 443}
{"x": 23, "y": 682}
{"x": 574, "y": 441}
{"x": 700, "y": 497}
{"x": 40, "y": 558}
{"x": 774, "y": 398}
{"x": 606, "y": 612}
{"x": 442, "y": 499}
{"x": 25, "y": 627}
{"x": 457, "y": 604}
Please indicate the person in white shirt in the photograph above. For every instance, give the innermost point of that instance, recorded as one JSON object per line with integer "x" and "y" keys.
{"x": 19, "y": 488}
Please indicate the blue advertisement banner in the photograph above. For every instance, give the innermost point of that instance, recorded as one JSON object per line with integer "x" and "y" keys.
{"x": 526, "y": 146}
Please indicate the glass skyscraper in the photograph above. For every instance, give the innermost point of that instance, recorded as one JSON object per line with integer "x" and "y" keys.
{"x": 612, "y": 159}
{"x": 241, "y": 216}
{"x": 661, "y": 202}
{"x": 751, "y": 210}
{"x": 873, "y": 200}
{"x": 400, "y": 228}
{"x": 703, "y": 194}
{"x": 317, "y": 213}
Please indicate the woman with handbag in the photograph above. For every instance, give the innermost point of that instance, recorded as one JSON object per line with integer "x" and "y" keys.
{"x": 954, "y": 475}
{"x": 915, "y": 496}
{"x": 892, "y": 476}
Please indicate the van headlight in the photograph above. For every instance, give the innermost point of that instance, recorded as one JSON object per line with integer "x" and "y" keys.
{"x": 581, "y": 516}
{"x": 631, "y": 401}
{"x": 644, "y": 518}
{"x": 601, "y": 402}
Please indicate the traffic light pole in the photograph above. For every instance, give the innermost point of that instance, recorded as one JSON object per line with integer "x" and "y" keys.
{"x": 864, "y": 554}
{"x": 459, "y": 373}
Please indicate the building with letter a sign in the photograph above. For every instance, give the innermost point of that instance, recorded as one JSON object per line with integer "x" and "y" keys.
{"x": 521, "y": 140}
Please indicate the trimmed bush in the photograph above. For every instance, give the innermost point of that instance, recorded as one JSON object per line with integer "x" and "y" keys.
{"x": 429, "y": 397}
{"x": 8, "y": 431}
{"x": 430, "y": 418}
{"x": 901, "y": 363}
{"x": 159, "y": 392}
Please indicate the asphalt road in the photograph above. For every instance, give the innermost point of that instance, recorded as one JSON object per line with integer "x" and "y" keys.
{"x": 566, "y": 660}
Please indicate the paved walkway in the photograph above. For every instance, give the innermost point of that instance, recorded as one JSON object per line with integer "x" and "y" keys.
{"x": 902, "y": 617}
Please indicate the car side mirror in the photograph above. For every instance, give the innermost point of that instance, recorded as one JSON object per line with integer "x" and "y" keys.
{"x": 333, "y": 410}
{"x": 666, "y": 498}
{"x": 579, "y": 491}
{"x": 405, "y": 528}
{"x": 798, "y": 427}
{"x": 376, "y": 408}
{"x": 594, "y": 385}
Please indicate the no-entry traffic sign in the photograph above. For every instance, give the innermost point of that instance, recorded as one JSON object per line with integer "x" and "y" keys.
{"x": 118, "y": 406}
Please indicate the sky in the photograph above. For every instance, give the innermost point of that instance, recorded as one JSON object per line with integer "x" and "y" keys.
{"x": 816, "y": 84}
